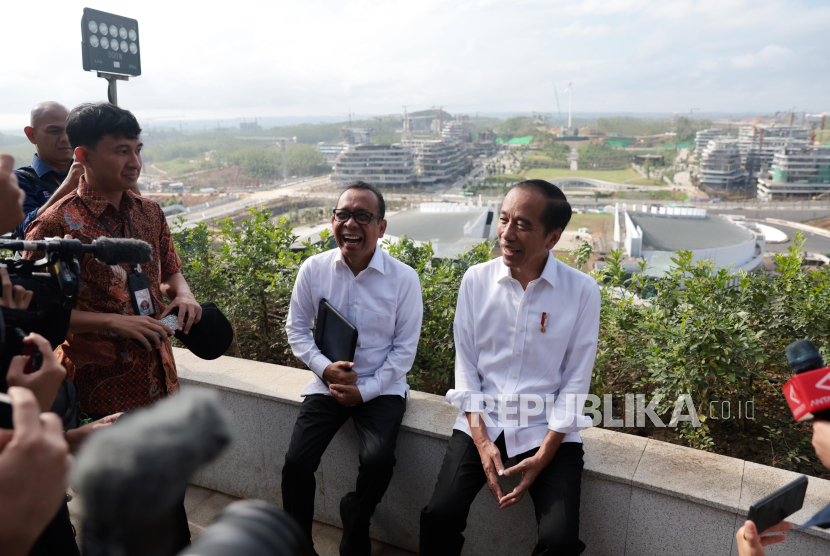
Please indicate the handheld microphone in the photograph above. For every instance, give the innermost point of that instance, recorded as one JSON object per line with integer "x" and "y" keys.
{"x": 110, "y": 251}
{"x": 808, "y": 392}
{"x": 131, "y": 476}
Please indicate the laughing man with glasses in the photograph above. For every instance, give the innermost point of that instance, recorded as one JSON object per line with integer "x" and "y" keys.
{"x": 382, "y": 298}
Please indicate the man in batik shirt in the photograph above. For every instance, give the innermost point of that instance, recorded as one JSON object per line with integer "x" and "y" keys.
{"x": 118, "y": 359}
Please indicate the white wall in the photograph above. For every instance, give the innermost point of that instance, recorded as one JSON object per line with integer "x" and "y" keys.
{"x": 640, "y": 497}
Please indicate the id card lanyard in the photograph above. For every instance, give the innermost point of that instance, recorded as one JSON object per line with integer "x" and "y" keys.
{"x": 138, "y": 282}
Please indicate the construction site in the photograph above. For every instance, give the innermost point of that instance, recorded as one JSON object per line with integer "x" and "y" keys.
{"x": 770, "y": 160}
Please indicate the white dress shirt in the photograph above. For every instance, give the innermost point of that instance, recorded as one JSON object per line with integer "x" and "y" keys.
{"x": 383, "y": 302}
{"x": 501, "y": 350}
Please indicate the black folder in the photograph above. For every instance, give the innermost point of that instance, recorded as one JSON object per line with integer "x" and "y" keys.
{"x": 335, "y": 336}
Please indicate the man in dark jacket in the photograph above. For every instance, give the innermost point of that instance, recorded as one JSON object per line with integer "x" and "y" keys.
{"x": 49, "y": 178}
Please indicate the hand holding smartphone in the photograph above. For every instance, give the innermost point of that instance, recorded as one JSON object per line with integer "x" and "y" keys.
{"x": 776, "y": 507}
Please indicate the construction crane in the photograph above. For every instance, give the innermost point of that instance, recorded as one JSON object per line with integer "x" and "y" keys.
{"x": 556, "y": 95}
{"x": 813, "y": 125}
{"x": 350, "y": 118}
{"x": 281, "y": 141}
{"x": 380, "y": 124}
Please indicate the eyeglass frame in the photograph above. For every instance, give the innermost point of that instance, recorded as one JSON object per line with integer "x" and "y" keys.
{"x": 353, "y": 214}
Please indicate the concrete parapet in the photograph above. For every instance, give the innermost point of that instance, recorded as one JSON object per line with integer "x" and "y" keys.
{"x": 639, "y": 496}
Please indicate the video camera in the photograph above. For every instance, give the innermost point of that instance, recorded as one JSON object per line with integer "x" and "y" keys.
{"x": 55, "y": 282}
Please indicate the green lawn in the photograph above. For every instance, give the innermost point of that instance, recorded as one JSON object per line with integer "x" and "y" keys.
{"x": 614, "y": 176}
{"x": 179, "y": 166}
{"x": 659, "y": 195}
{"x": 504, "y": 178}
{"x": 594, "y": 222}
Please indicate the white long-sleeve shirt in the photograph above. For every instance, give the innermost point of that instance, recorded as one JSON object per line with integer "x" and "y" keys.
{"x": 383, "y": 302}
{"x": 501, "y": 350}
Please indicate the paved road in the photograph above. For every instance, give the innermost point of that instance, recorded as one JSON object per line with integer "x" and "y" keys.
{"x": 258, "y": 197}
{"x": 813, "y": 243}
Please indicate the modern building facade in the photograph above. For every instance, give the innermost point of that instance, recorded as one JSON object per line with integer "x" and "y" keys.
{"x": 703, "y": 137}
{"x": 758, "y": 144}
{"x": 798, "y": 172}
{"x": 456, "y": 129}
{"x": 656, "y": 233}
{"x": 380, "y": 165}
{"x": 438, "y": 161}
{"x": 720, "y": 165}
{"x": 330, "y": 151}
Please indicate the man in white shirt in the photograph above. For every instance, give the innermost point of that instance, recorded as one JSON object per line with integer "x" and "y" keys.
{"x": 526, "y": 328}
{"x": 381, "y": 296}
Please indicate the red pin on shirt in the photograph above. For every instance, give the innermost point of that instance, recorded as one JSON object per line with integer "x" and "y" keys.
{"x": 543, "y": 329}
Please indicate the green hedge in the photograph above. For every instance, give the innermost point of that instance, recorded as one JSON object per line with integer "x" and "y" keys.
{"x": 700, "y": 330}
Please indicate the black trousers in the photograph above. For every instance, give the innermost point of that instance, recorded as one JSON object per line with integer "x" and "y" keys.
{"x": 555, "y": 494}
{"x": 377, "y": 422}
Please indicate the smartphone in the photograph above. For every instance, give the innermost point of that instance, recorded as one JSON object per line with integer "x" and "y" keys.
{"x": 776, "y": 507}
{"x": 172, "y": 322}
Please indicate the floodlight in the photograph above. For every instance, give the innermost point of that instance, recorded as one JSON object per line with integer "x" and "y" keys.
{"x": 93, "y": 40}
{"x": 115, "y": 56}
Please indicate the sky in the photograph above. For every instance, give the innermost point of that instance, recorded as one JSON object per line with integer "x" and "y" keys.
{"x": 246, "y": 59}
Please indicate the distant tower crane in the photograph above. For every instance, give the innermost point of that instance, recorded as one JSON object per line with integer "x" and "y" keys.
{"x": 281, "y": 141}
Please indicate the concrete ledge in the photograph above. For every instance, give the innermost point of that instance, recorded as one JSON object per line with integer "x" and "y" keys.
{"x": 639, "y": 496}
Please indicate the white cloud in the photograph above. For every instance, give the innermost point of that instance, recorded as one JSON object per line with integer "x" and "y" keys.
{"x": 771, "y": 56}
{"x": 577, "y": 29}
{"x": 326, "y": 57}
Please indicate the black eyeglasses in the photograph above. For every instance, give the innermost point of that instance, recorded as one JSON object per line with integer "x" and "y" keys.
{"x": 361, "y": 217}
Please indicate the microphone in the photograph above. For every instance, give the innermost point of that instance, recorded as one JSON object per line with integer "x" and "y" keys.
{"x": 110, "y": 251}
{"x": 808, "y": 392}
{"x": 131, "y": 476}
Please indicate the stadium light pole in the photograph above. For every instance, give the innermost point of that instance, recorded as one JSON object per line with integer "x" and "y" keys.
{"x": 110, "y": 46}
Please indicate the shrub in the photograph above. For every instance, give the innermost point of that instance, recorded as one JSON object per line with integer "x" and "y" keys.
{"x": 699, "y": 330}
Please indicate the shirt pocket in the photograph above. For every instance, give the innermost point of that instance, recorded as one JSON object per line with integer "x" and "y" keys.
{"x": 376, "y": 329}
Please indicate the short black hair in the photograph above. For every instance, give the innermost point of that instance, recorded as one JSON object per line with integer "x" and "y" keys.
{"x": 558, "y": 212}
{"x": 87, "y": 124}
{"x": 368, "y": 187}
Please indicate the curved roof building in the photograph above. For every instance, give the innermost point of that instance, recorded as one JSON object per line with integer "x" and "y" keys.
{"x": 657, "y": 233}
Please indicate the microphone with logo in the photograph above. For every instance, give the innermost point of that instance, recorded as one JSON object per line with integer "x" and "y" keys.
{"x": 808, "y": 392}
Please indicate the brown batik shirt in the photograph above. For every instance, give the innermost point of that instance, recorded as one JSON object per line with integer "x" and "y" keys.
{"x": 112, "y": 373}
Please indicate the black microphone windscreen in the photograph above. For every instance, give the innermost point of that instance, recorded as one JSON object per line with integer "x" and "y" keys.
{"x": 113, "y": 251}
{"x": 130, "y": 474}
{"x": 804, "y": 356}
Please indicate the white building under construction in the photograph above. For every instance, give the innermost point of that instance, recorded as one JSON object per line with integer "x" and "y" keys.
{"x": 418, "y": 161}
{"x": 380, "y": 165}
{"x": 758, "y": 144}
{"x": 438, "y": 161}
{"x": 720, "y": 165}
{"x": 703, "y": 137}
{"x": 801, "y": 172}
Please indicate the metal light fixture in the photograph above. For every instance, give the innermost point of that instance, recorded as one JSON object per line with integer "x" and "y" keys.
{"x": 103, "y": 52}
